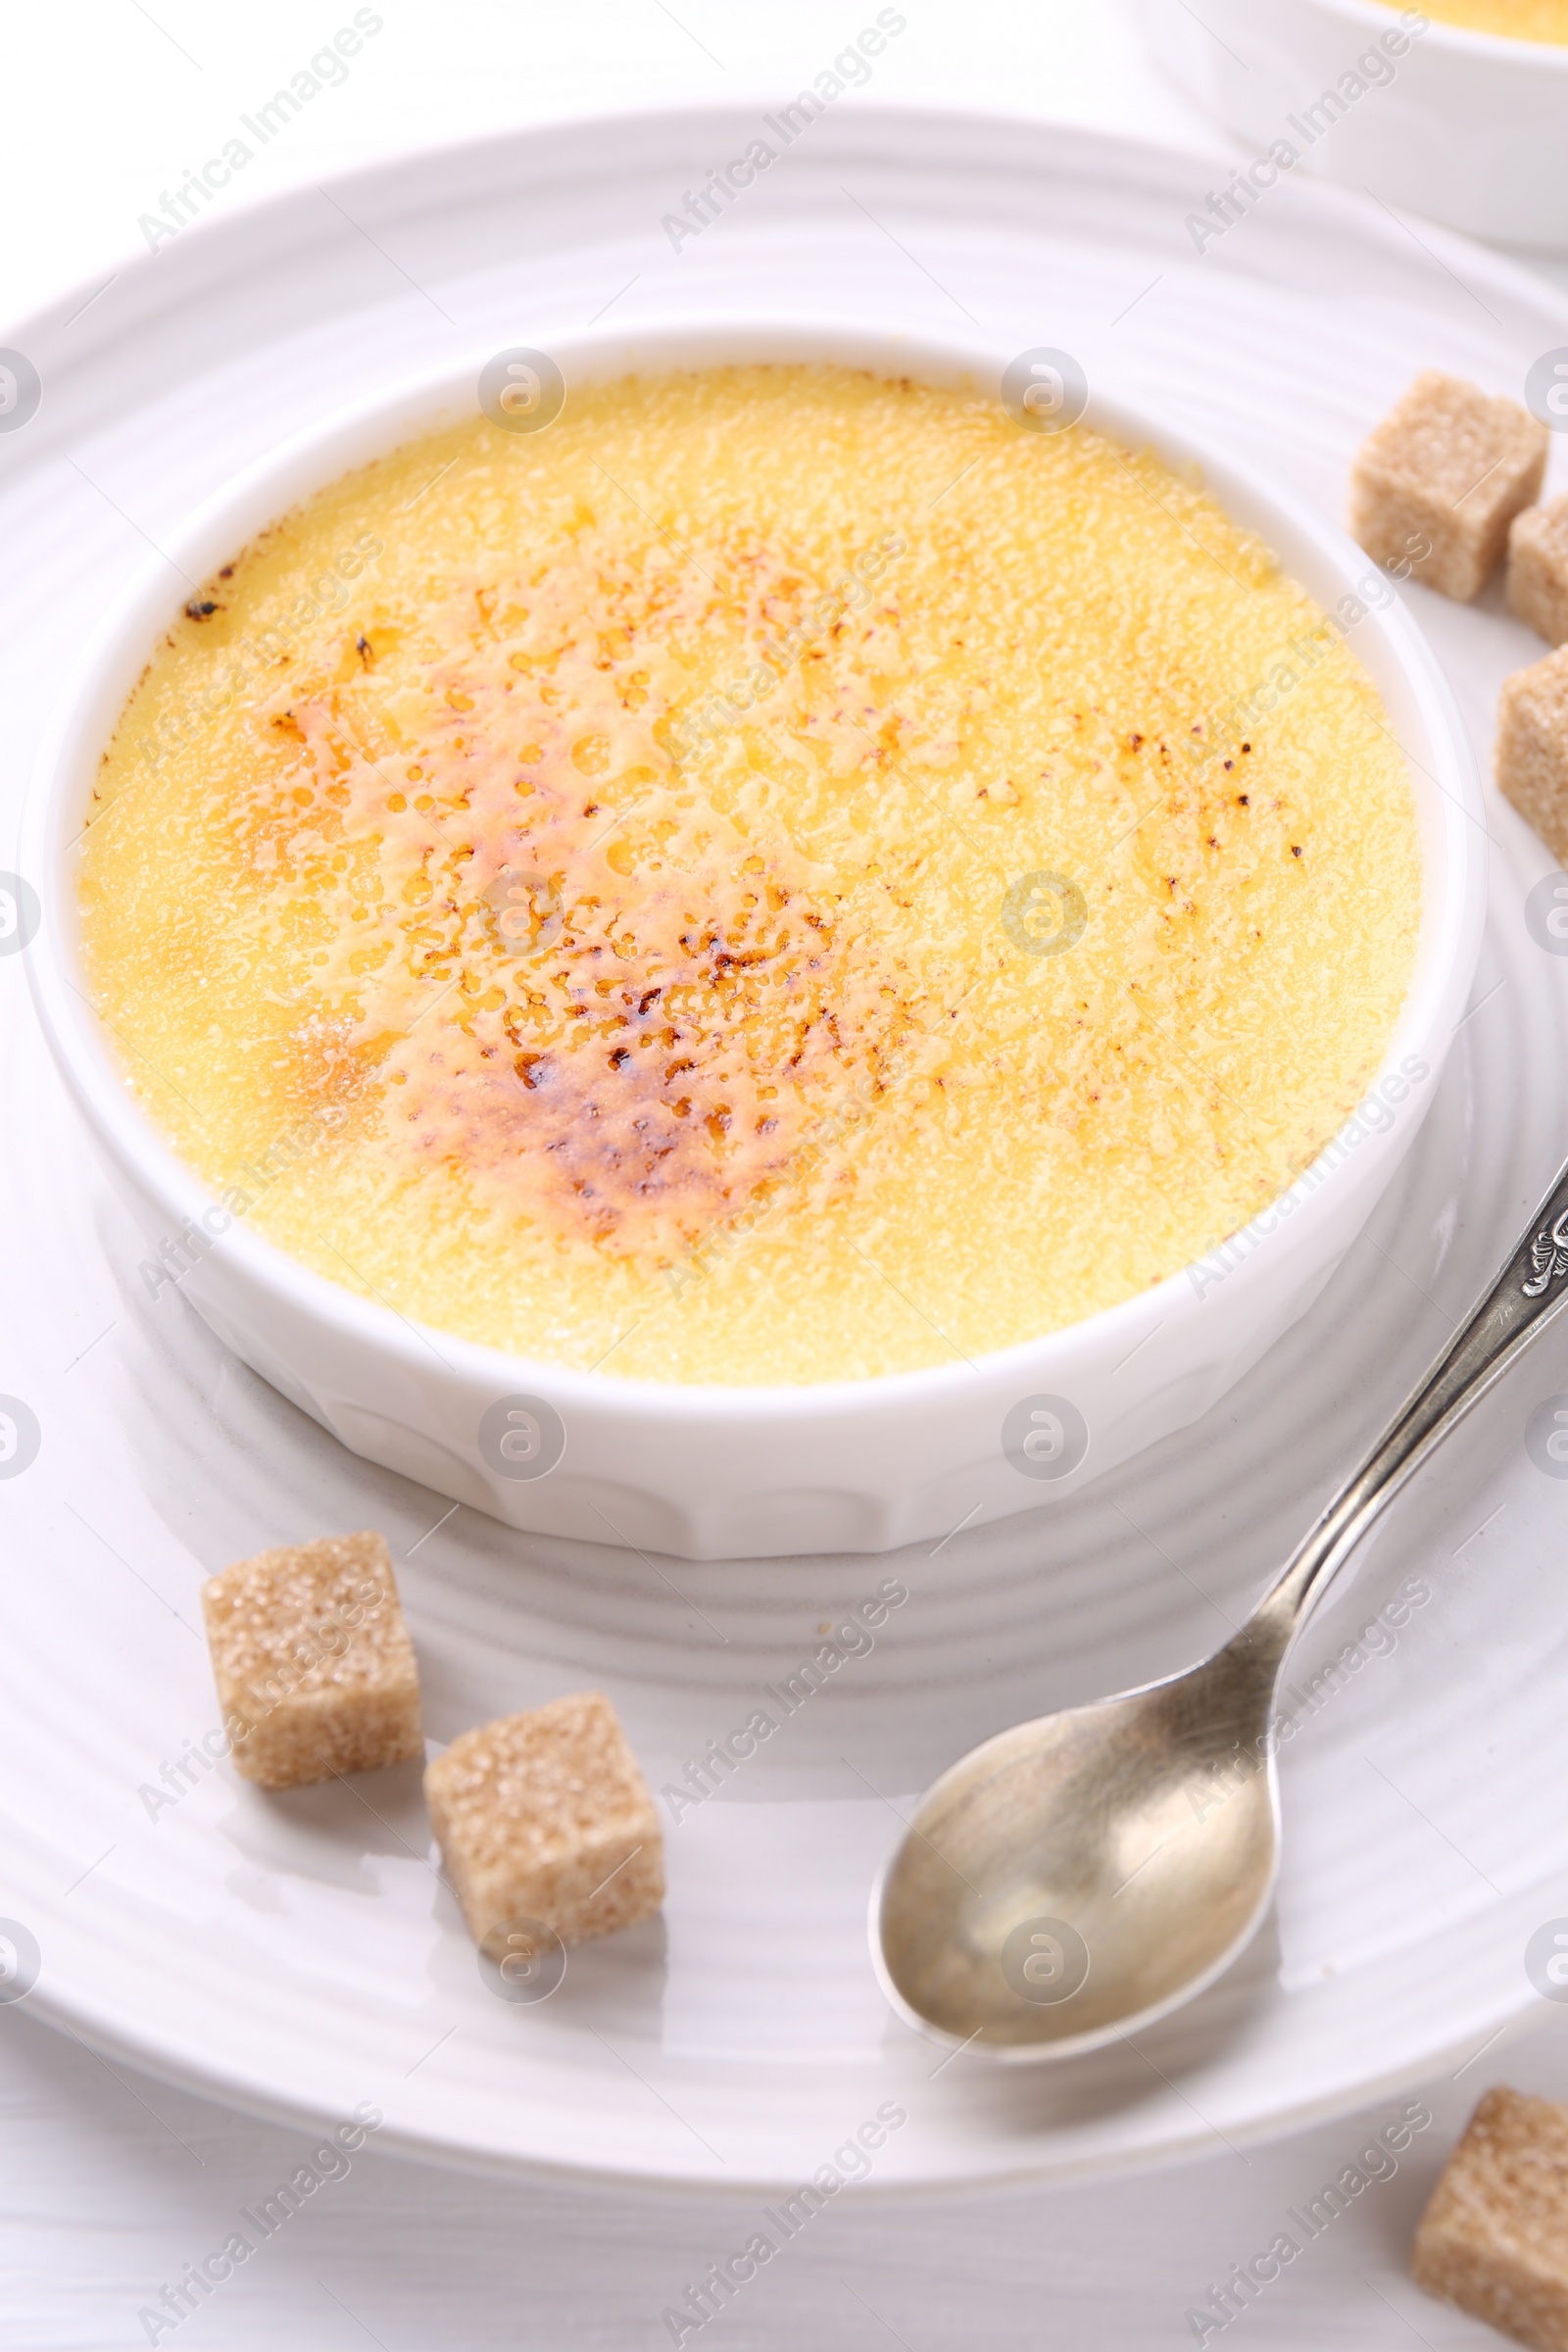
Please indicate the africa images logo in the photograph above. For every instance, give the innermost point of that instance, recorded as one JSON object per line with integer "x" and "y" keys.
{"x": 522, "y": 1436}
{"x": 1546, "y": 389}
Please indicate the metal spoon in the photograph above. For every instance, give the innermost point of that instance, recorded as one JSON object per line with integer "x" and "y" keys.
{"x": 1084, "y": 1874}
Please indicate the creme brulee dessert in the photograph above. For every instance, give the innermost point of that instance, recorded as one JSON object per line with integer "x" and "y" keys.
{"x": 781, "y": 875}
{"x": 1514, "y": 20}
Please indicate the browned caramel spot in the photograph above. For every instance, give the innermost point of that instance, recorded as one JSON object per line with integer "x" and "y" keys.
{"x": 624, "y": 1016}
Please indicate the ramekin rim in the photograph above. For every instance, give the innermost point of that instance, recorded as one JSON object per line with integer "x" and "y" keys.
{"x": 100, "y": 1091}
{"x": 1466, "y": 40}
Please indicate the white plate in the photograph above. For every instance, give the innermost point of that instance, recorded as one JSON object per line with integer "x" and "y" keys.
{"x": 298, "y": 1955}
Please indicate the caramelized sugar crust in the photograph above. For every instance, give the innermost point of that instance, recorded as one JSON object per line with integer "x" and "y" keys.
{"x": 783, "y": 875}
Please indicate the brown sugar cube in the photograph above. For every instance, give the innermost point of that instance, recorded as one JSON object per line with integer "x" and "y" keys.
{"x": 1531, "y": 755}
{"x": 316, "y": 1672}
{"x": 1495, "y": 2237}
{"x": 546, "y": 1816}
{"x": 1538, "y": 569}
{"x": 1435, "y": 484}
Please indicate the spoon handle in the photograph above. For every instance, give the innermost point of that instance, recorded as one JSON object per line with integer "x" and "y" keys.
{"x": 1527, "y": 1294}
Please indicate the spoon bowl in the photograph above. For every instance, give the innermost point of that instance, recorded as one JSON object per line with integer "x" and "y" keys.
{"x": 1078, "y": 1876}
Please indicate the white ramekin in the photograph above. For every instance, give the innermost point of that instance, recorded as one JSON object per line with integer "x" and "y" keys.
{"x": 1471, "y": 129}
{"x": 712, "y": 1472}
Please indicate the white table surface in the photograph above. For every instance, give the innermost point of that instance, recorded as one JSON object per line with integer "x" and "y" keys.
{"x": 111, "y": 2184}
